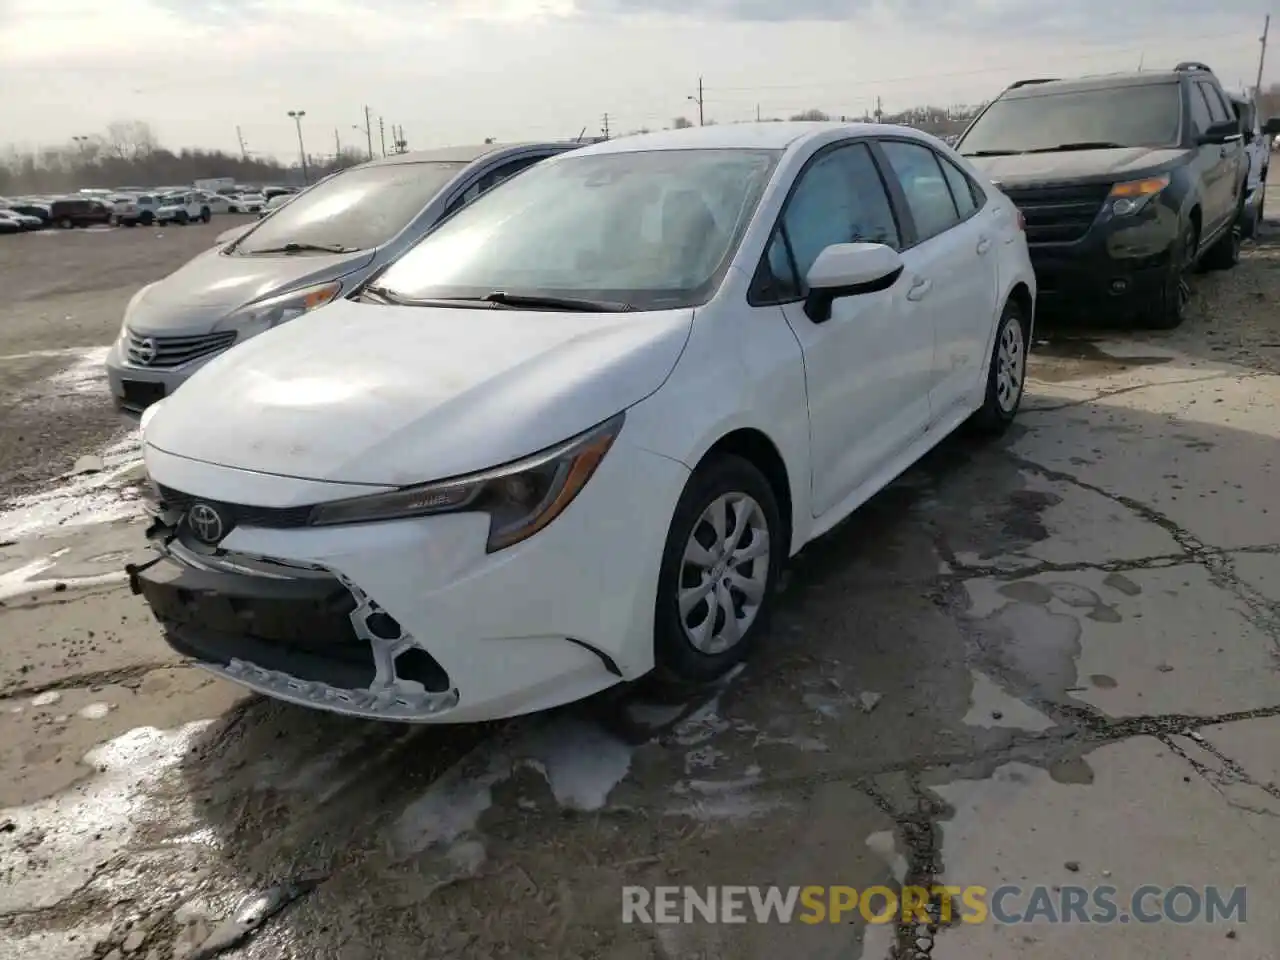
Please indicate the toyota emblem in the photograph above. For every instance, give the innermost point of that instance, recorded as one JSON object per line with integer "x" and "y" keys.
{"x": 205, "y": 523}
{"x": 146, "y": 351}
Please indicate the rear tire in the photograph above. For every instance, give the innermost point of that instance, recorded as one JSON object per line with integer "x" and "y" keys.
{"x": 205, "y": 214}
{"x": 715, "y": 577}
{"x": 66, "y": 223}
{"x": 1006, "y": 374}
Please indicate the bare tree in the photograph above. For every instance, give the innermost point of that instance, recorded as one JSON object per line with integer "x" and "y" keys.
{"x": 129, "y": 139}
{"x": 811, "y": 114}
{"x": 680, "y": 123}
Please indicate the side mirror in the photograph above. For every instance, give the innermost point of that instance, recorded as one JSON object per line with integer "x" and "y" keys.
{"x": 847, "y": 270}
{"x": 1272, "y": 127}
{"x": 1224, "y": 132}
{"x": 230, "y": 236}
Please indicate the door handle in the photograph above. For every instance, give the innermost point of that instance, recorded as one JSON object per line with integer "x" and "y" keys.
{"x": 984, "y": 244}
{"x": 920, "y": 289}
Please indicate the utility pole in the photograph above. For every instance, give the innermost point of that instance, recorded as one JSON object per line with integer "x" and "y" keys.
{"x": 382, "y": 136}
{"x": 605, "y": 127}
{"x": 1262, "y": 56}
{"x": 368, "y": 131}
{"x": 879, "y": 112}
{"x": 244, "y": 151}
{"x": 757, "y": 113}
{"x": 297, "y": 116}
{"x": 699, "y": 101}
{"x": 337, "y": 145}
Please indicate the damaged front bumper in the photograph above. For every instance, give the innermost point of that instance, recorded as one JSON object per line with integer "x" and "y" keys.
{"x": 296, "y": 633}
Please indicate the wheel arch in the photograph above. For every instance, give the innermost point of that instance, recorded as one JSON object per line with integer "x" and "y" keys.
{"x": 760, "y": 451}
{"x": 1020, "y": 294}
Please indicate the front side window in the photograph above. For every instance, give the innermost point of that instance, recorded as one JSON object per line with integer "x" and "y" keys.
{"x": 357, "y": 209}
{"x": 840, "y": 199}
{"x": 1131, "y": 115}
{"x": 651, "y": 229}
{"x": 928, "y": 196}
{"x": 1217, "y": 109}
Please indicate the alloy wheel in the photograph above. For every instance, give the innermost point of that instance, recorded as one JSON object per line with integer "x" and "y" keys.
{"x": 724, "y": 573}
{"x": 1011, "y": 361}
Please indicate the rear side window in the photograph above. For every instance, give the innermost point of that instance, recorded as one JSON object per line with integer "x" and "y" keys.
{"x": 928, "y": 196}
{"x": 962, "y": 190}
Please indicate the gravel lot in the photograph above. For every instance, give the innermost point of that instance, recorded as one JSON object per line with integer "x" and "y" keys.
{"x": 1053, "y": 660}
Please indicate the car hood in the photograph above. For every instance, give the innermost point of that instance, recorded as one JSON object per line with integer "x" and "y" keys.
{"x": 1028, "y": 168}
{"x": 403, "y": 395}
{"x": 198, "y": 296}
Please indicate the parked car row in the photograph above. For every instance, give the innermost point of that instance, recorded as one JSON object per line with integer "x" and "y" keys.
{"x": 133, "y": 207}
{"x": 467, "y": 434}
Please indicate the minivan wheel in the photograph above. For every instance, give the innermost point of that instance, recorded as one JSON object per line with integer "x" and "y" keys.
{"x": 723, "y": 555}
{"x": 1006, "y": 373}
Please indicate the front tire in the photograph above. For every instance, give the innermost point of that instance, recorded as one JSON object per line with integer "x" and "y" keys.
{"x": 723, "y": 556}
{"x": 1169, "y": 307}
{"x": 205, "y": 215}
{"x": 1006, "y": 373}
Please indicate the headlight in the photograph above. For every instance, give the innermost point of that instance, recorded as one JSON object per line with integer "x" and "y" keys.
{"x": 520, "y": 498}
{"x": 1131, "y": 196}
{"x": 273, "y": 311}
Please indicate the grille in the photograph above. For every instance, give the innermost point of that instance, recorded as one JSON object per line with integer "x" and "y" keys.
{"x": 1059, "y": 214}
{"x": 239, "y": 514}
{"x": 175, "y": 351}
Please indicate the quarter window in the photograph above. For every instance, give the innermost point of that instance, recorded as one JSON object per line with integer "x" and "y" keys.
{"x": 840, "y": 199}
{"x": 961, "y": 188}
{"x": 929, "y": 198}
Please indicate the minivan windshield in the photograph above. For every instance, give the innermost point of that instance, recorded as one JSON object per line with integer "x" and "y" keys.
{"x": 1141, "y": 115}
{"x": 357, "y": 209}
{"x": 644, "y": 230}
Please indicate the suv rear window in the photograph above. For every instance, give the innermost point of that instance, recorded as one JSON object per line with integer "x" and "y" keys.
{"x": 1141, "y": 115}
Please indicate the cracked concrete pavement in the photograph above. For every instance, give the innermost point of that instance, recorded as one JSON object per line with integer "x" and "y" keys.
{"x": 1052, "y": 660}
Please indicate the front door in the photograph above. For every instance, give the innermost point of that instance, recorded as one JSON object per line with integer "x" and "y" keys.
{"x": 867, "y": 367}
{"x": 1219, "y": 164}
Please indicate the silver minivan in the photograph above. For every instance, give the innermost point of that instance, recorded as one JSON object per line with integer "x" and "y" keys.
{"x": 321, "y": 244}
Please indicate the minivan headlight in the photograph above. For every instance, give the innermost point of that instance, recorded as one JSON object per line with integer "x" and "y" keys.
{"x": 520, "y": 498}
{"x": 1129, "y": 197}
{"x": 264, "y": 314}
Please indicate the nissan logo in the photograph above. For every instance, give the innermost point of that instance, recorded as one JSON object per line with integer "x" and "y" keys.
{"x": 145, "y": 351}
{"x": 206, "y": 523}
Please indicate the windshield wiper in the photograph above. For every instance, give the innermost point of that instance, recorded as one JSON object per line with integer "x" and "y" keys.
{"x": 993, "y": 153}
{"x": 1080, "y": 145}
{"x": 555, "y": 303}
{"x": 303, "y": 248}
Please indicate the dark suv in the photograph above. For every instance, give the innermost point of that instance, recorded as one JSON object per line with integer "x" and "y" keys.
{"x": 1126, "y": 182}
{"x": 78, "y": 212}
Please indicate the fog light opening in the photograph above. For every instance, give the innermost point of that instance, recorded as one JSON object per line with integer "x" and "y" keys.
{"x": 1119, "y": 286}
{"x": 418, "y": 666}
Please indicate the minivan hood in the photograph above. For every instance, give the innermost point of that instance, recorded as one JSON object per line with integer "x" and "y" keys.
{"x": 197, "y": 297}
{"x": 371, "y": 394}
{"x": 1028, "y": 168}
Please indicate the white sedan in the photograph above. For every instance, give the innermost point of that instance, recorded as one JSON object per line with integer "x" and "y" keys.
{"x": 572, "y": 436}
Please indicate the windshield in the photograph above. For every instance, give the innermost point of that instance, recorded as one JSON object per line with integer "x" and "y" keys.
{"x": 1148, "y": 115}
{"x": 654, "y": 230}
{"x": 358, "y": 209}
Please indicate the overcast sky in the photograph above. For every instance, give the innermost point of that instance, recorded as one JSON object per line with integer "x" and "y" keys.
{"x": 455, "y": 71}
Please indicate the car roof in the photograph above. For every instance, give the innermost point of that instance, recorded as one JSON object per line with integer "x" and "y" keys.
{"x": 1103, "y": 81}
{"x": 466, "y": 154}
{"x": 764, "y": 135}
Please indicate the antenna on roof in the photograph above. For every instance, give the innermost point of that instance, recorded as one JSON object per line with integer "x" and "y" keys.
{"x": 582, "y": 134}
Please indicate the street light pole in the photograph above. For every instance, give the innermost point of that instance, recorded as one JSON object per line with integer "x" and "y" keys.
{"x": 297, "y": 116}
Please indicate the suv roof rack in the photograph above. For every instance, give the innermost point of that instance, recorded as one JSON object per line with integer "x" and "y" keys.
{"x": 1026, "y": 83}
{"x": 1187, "y": 65}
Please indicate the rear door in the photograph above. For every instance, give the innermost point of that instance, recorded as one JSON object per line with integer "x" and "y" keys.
{"x": 955, "y": 286}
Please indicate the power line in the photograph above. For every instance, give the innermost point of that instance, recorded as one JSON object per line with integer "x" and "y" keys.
{"x": 908, "y": 78}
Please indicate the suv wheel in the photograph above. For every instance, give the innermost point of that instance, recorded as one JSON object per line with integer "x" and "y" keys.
{"x": 66, "y": 223}
{"x": 205, "y": 214}
{"x": 148, "y": 218}
{"x": 1169, "y": 307}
